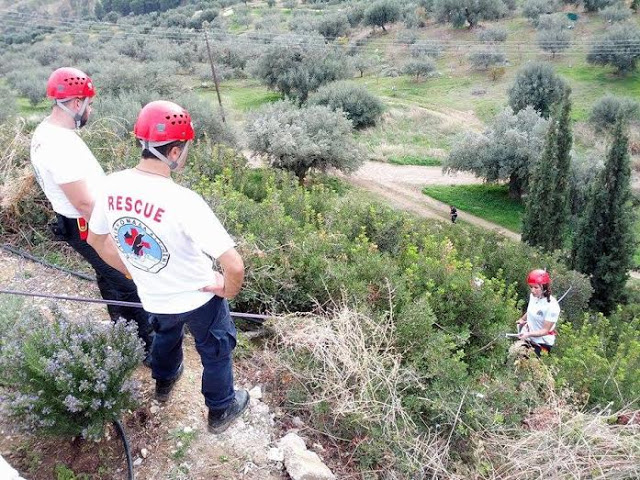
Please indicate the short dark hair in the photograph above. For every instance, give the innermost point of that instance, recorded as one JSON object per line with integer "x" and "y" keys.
{"x": 163, "y": 149}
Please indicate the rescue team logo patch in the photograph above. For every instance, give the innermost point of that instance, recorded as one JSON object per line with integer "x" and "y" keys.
{"x": 140, "y": 246}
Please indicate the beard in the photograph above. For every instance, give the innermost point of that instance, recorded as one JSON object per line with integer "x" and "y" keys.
{"x": 84, "y": 119}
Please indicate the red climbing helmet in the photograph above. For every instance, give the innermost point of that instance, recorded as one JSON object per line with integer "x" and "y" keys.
{"x": 68, "y": 82}
{"x": 538, "y": 277}
{"x": 161, "y": 122}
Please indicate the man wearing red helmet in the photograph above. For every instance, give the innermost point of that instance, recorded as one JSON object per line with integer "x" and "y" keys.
{"x": 166, "y": 236}
{"x": 69, "y": 175}
{"x": 537, "y": 325}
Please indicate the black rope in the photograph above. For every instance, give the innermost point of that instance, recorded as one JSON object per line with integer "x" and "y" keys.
{"x": 125, "y": 442}
{"x": 28, "y": 256}
{"x": 251, "y": 317}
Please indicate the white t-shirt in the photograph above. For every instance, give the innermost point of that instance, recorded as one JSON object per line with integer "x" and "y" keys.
{"x": 539, "y": 311}
{"x": 165, "y": 235}
{"x": 59, "y": 156}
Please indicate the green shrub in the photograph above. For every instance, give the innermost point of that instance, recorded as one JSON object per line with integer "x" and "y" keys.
{"x": 598, "y": 359}
{"x": 68, "y": 379}
{"x": 360, "y": 106}
{"x": 9, "y": 104}
{"x": 492, "y": 35}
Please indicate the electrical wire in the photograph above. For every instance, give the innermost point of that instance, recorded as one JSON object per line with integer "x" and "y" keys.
{"x": 17, "y": 19}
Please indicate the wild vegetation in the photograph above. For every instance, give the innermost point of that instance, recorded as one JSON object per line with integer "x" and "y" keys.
{"x": 398, "y": 349}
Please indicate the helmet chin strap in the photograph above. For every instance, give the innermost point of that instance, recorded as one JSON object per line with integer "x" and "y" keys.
{"x": 77, "y": 116}
{"x": 148, "y": 146}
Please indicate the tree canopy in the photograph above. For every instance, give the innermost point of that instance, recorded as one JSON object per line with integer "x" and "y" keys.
{"x": 507, "y": 151}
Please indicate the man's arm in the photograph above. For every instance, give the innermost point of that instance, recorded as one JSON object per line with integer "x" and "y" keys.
{"x": 233, "y": 275}
{"x": 78, "y": 194}
{"x": 104, "y": 246}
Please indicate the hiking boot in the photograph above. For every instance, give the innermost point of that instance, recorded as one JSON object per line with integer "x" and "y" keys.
{"x": 219, "y": 421}
{"x": 164, "y": 387}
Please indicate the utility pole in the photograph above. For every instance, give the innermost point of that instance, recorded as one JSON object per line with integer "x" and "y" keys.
{"x": 205, "y": 25}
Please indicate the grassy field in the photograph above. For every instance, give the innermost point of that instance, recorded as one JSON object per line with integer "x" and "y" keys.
{"x": 490, "y": 202}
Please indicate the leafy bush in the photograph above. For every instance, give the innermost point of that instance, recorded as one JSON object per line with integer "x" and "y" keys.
{"x": 30, "y": 83}
{"x": 333, "y": 26}
{"x": 425, "y": 49}
{"x": 8, "y": 102}
{"x": 302, "y": 139}
{"x": 493, "y": 35}
{"x": 595, "y": 5}
{"x": 553, "y": 40}
{"x": 69, "y": 379}
{"x": 598, "y": 357}
{"x": 532, "y": 9}
{"x": 607, "y": 109}
{"x": 360, "y": 106}
{"x": 485, "y": 58}
{"x": 616, "y": 13}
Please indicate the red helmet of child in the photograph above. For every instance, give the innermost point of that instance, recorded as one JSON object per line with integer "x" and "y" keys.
{"x": 68, "y": 82}
{"x": 163, "y": 122}
{"x": 538, "y": 277}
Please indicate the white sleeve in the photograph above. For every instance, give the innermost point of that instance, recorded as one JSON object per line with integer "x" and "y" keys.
{"x": 553, "y": 312}
{"x": 99, "y": 224}
{"x": 204, "y": 228}
{"x": 70, "y": 164}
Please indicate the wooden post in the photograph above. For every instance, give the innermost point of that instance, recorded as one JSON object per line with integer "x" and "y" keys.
{"x": 213, "y": 70}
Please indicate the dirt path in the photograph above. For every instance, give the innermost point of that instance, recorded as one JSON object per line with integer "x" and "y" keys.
{"x": 401, "y": 186}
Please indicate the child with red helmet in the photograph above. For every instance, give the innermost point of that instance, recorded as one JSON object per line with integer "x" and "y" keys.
{"x": 537, "y": 325}
{"x": 165, "y": 236}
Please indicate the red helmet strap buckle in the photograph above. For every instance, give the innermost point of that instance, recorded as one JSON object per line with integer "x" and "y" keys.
{"x": 77, "y": 116}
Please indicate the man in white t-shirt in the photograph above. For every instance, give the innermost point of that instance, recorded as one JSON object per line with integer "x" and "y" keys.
{"x": 69, "y": 175}
{"x": 165, "y": 236}
{"x": 538, "y": 323}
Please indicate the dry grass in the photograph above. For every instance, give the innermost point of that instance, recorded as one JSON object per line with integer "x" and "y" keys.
{"x": 358, "y": 373}
{"x": 570, "y": 446}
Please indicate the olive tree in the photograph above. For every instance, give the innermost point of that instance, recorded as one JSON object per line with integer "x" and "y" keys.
{"x": 420, "y": 68}
{"x": 302, "y": 139}
{"x": 461, "y": 12}
{"x": 382, "y": 12}
{"x": 618, "y": 48}
{"x": 507, "y": 151}
{"x": 297, "y": 66}
{"x": 537, "y": 85}
{"x": 608, "y": 109}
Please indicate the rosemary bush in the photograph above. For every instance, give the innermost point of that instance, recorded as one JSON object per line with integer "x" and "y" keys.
{"x": 66, "y": 378}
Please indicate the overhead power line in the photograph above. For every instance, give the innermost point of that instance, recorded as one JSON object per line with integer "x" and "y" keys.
{"x": 20, "y": 20}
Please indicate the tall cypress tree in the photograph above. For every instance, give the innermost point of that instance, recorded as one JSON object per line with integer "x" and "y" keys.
{"x": 546, "y": 208}
{"x": 559, "y": 200}
{"x": 535, "y": 223}
{"x": 603, "y": 247}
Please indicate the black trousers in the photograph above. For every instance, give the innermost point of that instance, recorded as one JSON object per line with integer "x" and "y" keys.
{"x": 113, "y": 285}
